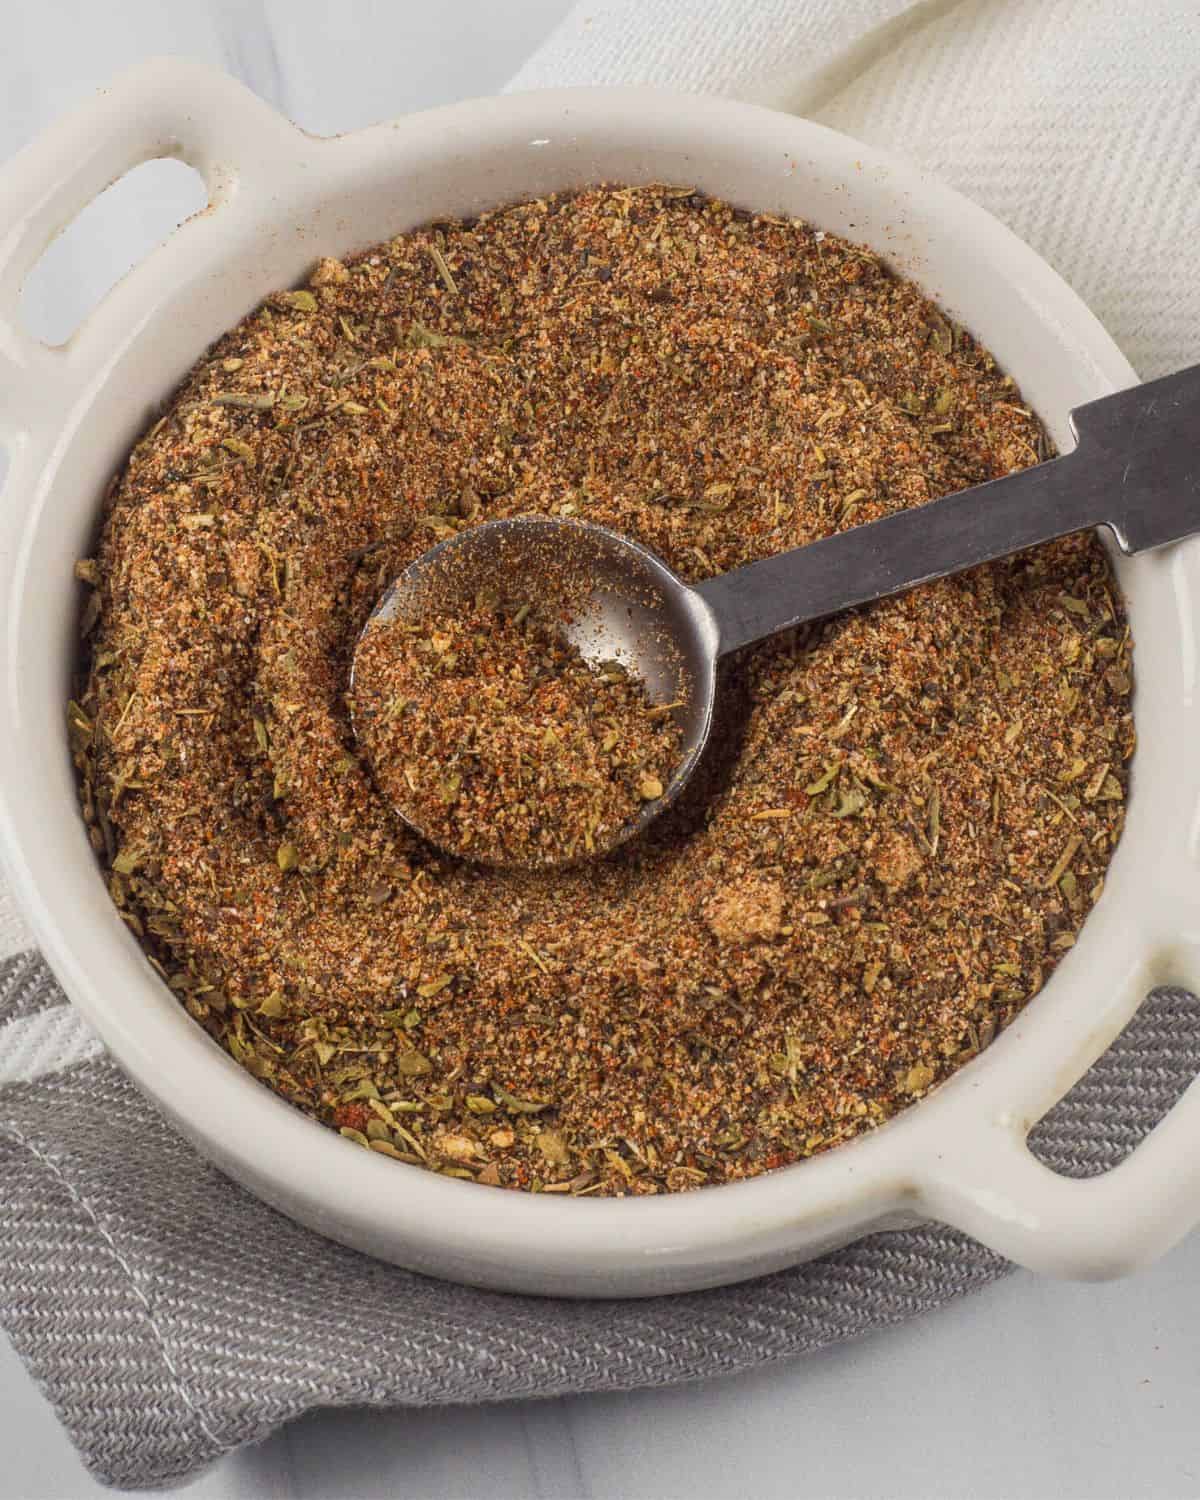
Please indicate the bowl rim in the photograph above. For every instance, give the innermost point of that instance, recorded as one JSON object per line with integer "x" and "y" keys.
{"x": 918, "y": 1164}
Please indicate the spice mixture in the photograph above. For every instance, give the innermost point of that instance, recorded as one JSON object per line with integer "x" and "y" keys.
{"x": 908, "y": 815}
{"x": 495, "y": 738}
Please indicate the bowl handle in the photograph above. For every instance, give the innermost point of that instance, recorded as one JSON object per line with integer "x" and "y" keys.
{"x": 989, "y": 1184}
{"x": 164, "y": 107}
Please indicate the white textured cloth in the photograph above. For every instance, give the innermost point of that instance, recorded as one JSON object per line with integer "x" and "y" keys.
{"x": 1079, "y": 125}
{"x": 14, "y": 935}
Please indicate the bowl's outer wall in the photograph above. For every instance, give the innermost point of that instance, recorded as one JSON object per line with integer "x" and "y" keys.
{"x": 305, "y": 198}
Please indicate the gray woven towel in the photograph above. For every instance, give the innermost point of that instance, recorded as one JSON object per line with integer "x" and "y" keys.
{"x": 170, "y": 1317}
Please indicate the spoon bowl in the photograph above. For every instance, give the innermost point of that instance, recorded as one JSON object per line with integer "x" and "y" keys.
{"x": 616, "y": 601}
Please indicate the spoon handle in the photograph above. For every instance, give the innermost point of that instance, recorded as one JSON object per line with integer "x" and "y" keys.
{"x": 1135, "y": 468}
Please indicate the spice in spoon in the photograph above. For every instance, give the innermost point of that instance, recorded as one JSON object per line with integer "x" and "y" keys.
{"x": 493, "y": 736}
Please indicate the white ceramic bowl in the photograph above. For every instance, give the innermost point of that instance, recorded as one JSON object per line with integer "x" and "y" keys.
{"x": 280, "y": 199}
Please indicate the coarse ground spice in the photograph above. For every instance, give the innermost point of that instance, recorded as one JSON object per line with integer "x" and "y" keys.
{"x": 498, "y": 741}
{"x": 906, "y": 820}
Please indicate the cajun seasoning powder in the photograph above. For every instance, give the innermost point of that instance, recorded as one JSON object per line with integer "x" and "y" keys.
{"x": 496, "y": 739}
{"x": 904, "y": 821}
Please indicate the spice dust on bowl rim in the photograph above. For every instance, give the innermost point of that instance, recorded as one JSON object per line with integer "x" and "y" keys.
{"x": 279, "y": 200}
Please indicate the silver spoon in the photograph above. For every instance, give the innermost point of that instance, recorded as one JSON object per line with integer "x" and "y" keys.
{"x": 1135, "y": 469}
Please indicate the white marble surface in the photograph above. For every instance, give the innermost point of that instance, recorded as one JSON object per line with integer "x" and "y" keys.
{"x": 1033, "y": 1389}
